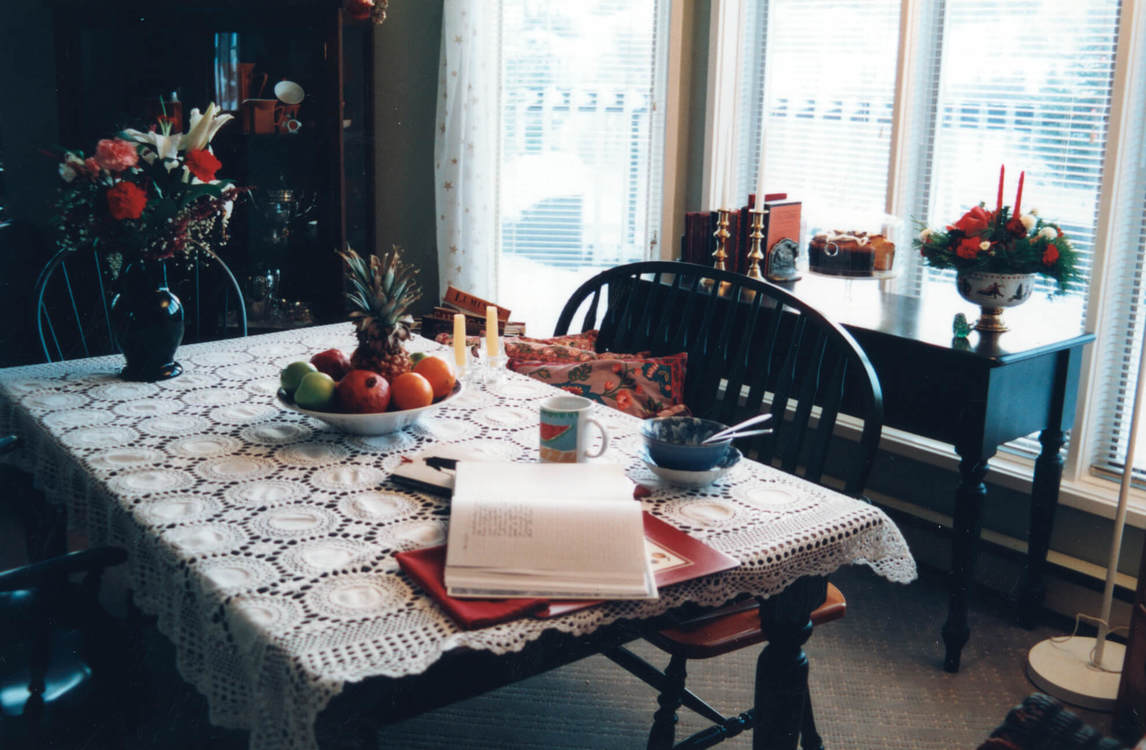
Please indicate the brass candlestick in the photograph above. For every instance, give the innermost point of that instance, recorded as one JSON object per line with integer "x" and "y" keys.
{"x": 755, "y": 255}
{"x": 720, "y": 255}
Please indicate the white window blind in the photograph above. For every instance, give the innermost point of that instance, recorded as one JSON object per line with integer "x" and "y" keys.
{"x": 1026, "y": 84}
{"x": 824, "y": 91}
{"x": 581, "y": 143}
{"x": 1124, "y": 298}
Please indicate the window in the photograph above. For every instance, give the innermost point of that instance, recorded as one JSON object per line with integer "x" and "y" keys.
{"x": 581, "y": 144}
{"x": 1037, "y": 100}
{"x": 824, "y": 108}
{"x": 920, "y": 112}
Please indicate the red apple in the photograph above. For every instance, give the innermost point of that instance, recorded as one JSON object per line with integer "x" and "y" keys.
{"x": 363, "y": 392}
{"x": 333, "y": 362}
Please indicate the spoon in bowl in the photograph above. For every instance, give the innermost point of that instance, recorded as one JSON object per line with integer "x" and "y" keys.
{"x": 731, "y": 432}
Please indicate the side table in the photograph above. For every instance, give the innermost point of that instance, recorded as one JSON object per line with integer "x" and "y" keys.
{"x": 976, "y": 394}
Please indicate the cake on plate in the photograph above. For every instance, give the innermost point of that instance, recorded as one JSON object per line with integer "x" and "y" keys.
{"x": 850, "y": 253}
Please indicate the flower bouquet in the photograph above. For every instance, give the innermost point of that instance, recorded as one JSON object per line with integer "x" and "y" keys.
{"x": 141, "y": 199}
{"x": 997, "y": 255}
{"x": 147, "y": 195}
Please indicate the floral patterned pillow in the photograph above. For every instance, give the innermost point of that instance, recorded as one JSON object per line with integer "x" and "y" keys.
{"x": 573, "y": 348}
{"x": 586, "y": 340}
{"x": 643, "y": 387}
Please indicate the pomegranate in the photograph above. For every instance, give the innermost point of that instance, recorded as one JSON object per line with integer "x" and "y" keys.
{"x": 363, "y": 392}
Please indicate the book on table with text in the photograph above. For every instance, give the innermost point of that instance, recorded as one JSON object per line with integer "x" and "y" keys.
{"x": 557, "y": 531}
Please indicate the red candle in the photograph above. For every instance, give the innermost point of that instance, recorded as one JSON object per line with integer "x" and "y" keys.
{"x": 1019, "y": 197}
{"x": 999, "y": 200}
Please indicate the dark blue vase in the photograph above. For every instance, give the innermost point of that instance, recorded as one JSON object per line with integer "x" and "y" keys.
{"x": 147, "y": 321}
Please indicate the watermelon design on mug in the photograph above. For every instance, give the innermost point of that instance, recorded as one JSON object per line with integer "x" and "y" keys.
{"x": 559, "y": 435}
{"x": 550, "y": 432}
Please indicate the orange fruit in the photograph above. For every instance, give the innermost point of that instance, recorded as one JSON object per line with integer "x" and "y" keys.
{"x": 439, "y": 372}
{"x": 410, "y": 391}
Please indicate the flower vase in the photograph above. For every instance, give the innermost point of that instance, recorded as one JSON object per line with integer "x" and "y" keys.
{"x": 993, "y": 292}
{"x": 147, "y": 323}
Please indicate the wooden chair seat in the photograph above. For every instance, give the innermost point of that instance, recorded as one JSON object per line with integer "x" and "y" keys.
{"x": 734, "y": 626}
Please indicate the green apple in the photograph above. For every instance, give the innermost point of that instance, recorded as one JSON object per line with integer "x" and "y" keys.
{"x": 292, "y": 375}
{"x": 315, "y": 391}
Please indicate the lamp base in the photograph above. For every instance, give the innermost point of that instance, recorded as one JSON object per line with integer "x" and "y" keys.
{"x": 1061, "y": 668}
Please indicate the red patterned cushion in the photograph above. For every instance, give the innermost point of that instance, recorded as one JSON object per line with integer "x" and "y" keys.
{"x": 573, "y": 348}
{"x": 643, "y": 387}
{"x": 586, "y": 340}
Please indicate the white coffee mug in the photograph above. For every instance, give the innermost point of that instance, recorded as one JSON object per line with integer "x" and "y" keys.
{"x": 564, "y": 430}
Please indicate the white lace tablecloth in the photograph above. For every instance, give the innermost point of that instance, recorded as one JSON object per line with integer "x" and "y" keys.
{"x": 264, "y": 541}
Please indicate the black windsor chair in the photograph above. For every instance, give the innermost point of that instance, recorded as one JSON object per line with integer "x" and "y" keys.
{"x": 72, "y": 299}
{"x": 61, "y": 655}
{"x": 752, "y": 346}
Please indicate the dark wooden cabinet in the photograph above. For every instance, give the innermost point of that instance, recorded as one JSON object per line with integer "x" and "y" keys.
{"x": 309, "y": 188}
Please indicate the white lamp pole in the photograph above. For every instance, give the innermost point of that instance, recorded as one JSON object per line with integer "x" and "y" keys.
{"x": 1086, "y": 671}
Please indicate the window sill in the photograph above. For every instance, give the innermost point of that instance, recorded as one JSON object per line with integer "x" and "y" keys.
{"x": 1092, "y": 495}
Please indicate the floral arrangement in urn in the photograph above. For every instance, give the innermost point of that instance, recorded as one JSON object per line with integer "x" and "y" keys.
{"x": 1003, "y": 241}
{"x": 147, "y": 195}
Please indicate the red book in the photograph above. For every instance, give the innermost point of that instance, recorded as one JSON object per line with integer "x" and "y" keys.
{"x": 676, "y": 556}
{"x": 428, "y": 566}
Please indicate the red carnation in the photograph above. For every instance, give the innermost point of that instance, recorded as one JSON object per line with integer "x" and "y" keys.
{"x": 125, "y": 200}
{"x": 968, "y": 248}
{"x": 973, "y": 222}
{"x": 202, "y": 164}
{"x": 1050, "y": 255}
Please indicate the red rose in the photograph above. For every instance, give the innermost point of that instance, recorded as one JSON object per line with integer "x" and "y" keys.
{"x": 126, "y": 201}
{"x": 1015, "y": 227}
{"x": 1050, "y": 255}
{"x": 92, "y": 166}
{"x": 202, "y": 164}
{"x": 116, "y": 155}
{"x": 973, "y": 222}
{"x": 968, "y": 248}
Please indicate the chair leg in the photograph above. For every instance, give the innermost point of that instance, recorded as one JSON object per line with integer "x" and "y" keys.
{"x": 809, "y": 738}
{"x": 663, "y": 733}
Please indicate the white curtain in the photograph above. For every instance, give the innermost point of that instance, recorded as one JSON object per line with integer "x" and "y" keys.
{"x": 466, "y": 147}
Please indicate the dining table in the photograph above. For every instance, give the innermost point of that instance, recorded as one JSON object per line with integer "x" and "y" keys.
{"x": 263, "y": 540}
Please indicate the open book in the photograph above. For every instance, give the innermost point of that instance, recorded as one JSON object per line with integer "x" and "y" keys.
{"x": 558, "y": 531}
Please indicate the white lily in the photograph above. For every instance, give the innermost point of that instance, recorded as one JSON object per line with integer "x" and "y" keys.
{"x": 203, "y": 127}
{"x": 165, "y": 147}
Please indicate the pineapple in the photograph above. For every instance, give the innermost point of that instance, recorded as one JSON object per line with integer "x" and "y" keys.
{"x": 380, "y": 293}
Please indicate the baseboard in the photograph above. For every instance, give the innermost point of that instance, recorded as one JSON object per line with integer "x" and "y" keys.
{"x": 1073, "y": 586}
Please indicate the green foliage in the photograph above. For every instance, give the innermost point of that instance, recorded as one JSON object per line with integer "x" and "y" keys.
{"x": 1010, "y": 247}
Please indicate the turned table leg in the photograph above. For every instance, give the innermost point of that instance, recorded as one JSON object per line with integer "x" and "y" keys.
{"x": 782, "y": 668}
{"x": 968, "y": 511}
{"x": 1030, "y": 591}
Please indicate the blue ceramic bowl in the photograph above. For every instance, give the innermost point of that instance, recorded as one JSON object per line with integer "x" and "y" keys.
{"x": 675, "y": 442}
